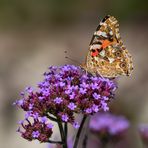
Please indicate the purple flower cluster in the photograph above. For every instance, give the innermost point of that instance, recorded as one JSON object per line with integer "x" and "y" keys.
{"x": 109, "y": 125}
{"x": 39, "y": 129}
{"x": 67, "y": 90}
{"x": 143, "y": 132}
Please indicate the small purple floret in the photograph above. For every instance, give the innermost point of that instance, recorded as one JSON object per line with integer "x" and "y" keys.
{"x": 96, "y": 96}
{"x": 76, "y": 125}
{"x": 83, "y": 91}
{"x": 44, "y": 119}
{"x": 71, "y": 106}
{"x": 65, "y": 118}
{"x": 89, "y": 110}
{"x": 58, "y": 100}
{"x": 95, "y": 108}
{"x": 35, "y": 134}
{"x": 50, "y": 125}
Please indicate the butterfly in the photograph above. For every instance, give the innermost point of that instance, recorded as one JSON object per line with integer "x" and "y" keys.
{"x": 107, "y": 56}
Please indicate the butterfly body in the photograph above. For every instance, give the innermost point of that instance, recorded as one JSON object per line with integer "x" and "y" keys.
{"x": 107, "y": 56}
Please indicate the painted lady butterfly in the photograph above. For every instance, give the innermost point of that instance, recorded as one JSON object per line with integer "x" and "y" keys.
{"x": 107, "y": 56}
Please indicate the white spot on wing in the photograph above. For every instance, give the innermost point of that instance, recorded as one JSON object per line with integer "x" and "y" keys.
{"x": 111, "y": 33}
{"x": 102, "y": 53}
{"x": 104, "y": 34}
{"x": 111, "y": 60}
{"x": 98, "y": 33}
{"x": 95, "y": 46}
{"x": 96, "y": 58}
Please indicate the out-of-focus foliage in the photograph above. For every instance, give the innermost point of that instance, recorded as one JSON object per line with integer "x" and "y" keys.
{"x": 39, "y": 12}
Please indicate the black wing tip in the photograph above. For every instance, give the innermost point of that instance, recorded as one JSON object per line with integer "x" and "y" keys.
{"x": 105, "y": 18}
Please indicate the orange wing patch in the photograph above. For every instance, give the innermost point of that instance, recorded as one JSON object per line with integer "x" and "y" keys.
{"x": 105, "y": 43}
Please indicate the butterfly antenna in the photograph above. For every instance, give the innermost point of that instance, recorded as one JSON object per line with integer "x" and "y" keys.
{"x": 71, "y": 59}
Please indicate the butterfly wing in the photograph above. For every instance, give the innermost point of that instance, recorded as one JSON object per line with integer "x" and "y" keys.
{"x": 107, "y": 55}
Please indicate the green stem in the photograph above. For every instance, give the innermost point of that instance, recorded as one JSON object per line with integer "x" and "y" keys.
{"x": 85, "y": 140}
{"x": 61, "y": 130}
{"x": 52, "y": 118}
{"x": 62, "y": 134}
{"x": 62, "y": 142}
{"x": 79, "y": 132}
{"x": 66, "y": 132}
{"x": 104, "y": 143}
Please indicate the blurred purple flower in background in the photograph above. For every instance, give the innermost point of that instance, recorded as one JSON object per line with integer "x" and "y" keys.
{"x": 143, "y": 132}
{"x": 108, "y": 127}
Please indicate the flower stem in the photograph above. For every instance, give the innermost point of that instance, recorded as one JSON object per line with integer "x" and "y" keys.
{"x": 62, "y": 132}
{"x": 104, "y": 143}
{"x": 62, "y": 142}
{"x": 79, "y": 132}
{"x": 66, "y": 132}
{"x": 52, "y": 118}
{"x": 85, "y": 140}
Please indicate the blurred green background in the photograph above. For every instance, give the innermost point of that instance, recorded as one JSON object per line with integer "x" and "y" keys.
{"x": 34, "y": 35}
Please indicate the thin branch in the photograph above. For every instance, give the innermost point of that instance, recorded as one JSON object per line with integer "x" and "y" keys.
{"x": 52, "y": 118}
{"x": 55, "y": 142}
{"x": 62, "y": 134}
{"x": 66, "y": 132}
{"x": 79, "y": 132}
{"x": 85, "y": 141}
{"x": 61, "y": 130}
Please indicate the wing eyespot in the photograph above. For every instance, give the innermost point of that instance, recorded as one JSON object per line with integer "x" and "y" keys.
{"x": 118, "y": 53}
{"x": 123, "y": 65}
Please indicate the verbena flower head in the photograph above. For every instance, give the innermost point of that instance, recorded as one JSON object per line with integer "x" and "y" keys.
{"x": 107, "y": 125}
{"x": 38, "y": 129}
{"x": 67, "y": 90}
{"x": 143, "y": 131}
